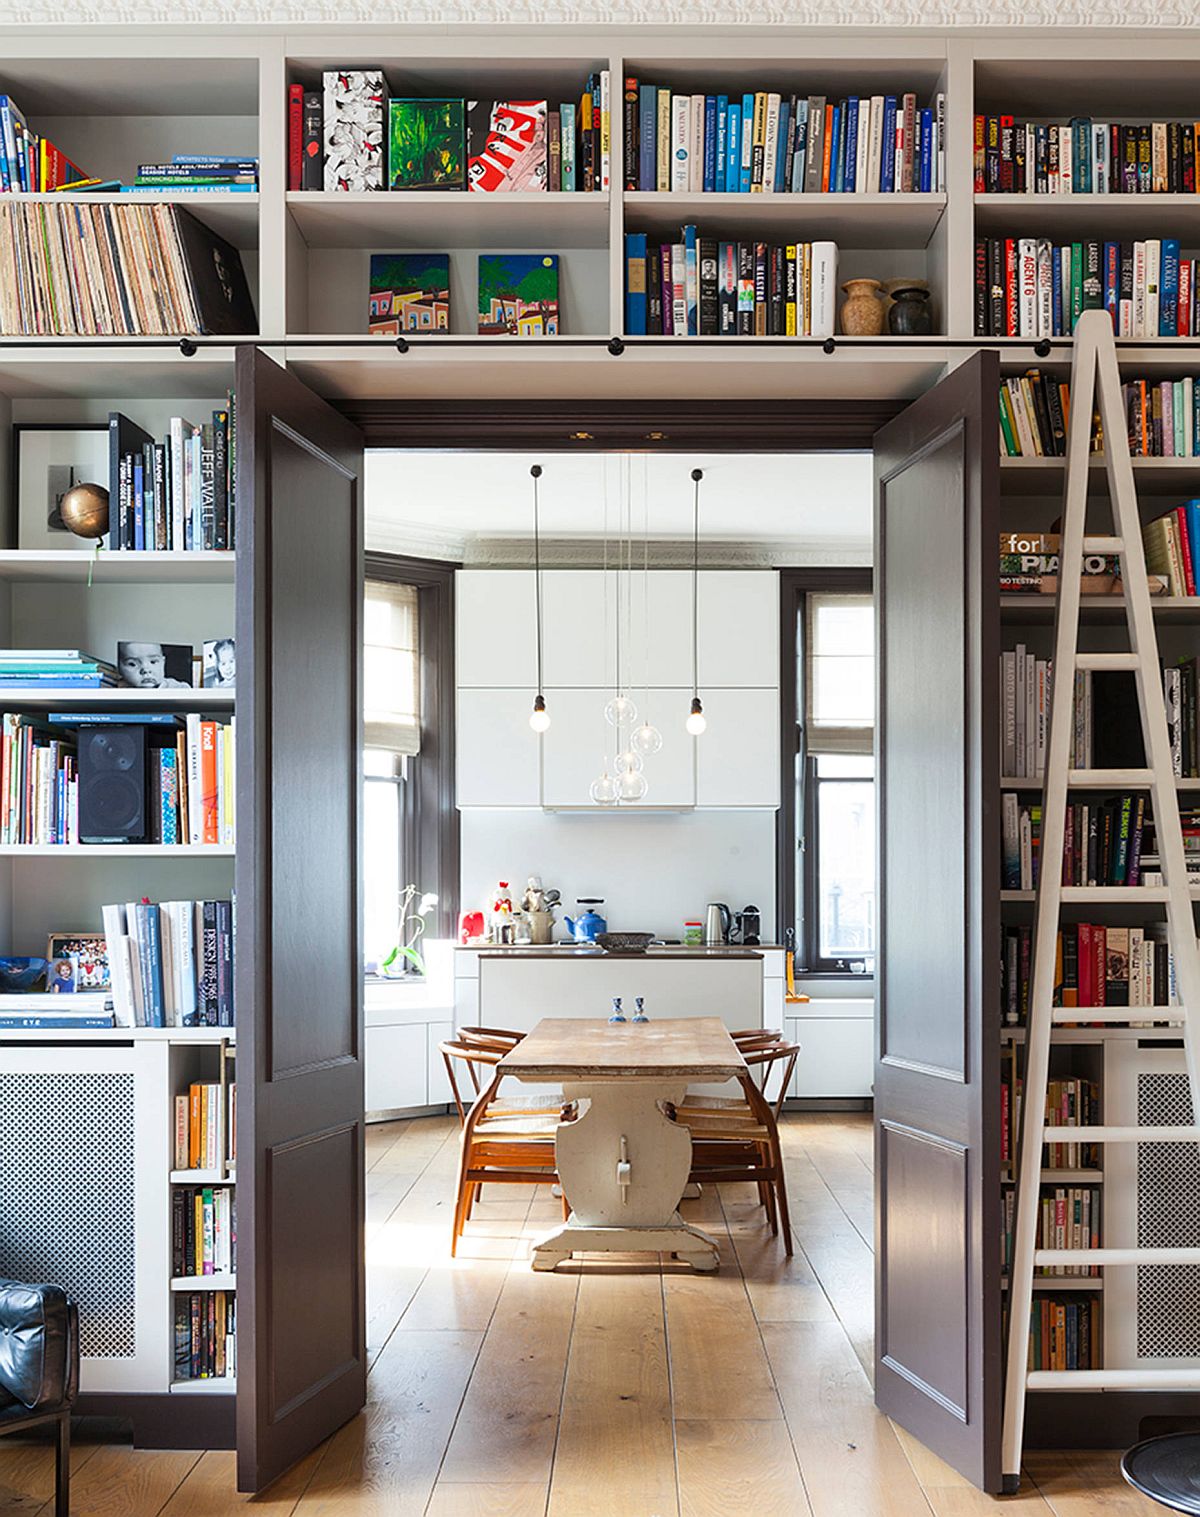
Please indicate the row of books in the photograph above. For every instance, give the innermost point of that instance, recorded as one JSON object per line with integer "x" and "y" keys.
{"x": 99, "y": 270}
{"x": 177, "y": 495}
{"x": 54, "y": 669}
{"x": 203, "y": 1230}
{"x": 205, "y": 1335}
{"x": 1162, "y": 417}
{"x": 1106, "y": 843}
{"x": 1033, "y": 287}
{"x": 206, "y": 1126}
{"x": 171, "y": 963}
{"x": 699, "y": 286}
{"x": 196, "y": 794}
{"x": 1064, "y": 1334}
{"x": 1068, "y": 1217}
{"x": 767, "y": 143}
{"x": 77, "y": 1011}
{"x": 186, "y": 174}
{"x": 1095, "y": 965}
{"x": 39, "y": 783}
{"x": 1085, "y": 157}
{"x": 1171, "y": 543}
{"x": 351, "y": 136}
{"x": 1070, "y": 1102}
{"x": 30, "y": 163}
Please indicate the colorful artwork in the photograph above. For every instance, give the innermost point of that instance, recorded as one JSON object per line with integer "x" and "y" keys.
{"x": 506, "y": 145}
{"x": 410, "y": 292}
{"x": 427, "y": 145}
{"x": 518, "y": 294}
{"x": 355, "y": 107}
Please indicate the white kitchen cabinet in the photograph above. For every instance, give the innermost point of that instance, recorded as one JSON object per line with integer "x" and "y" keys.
{"x": 738, "y": 628}
{"x": 660, "y": 628}
{"x": 498, "y": 753}
{"x": 579, "y": 741}
{"x": 495, "y": 628}
{"x": 837, "y": 1056}
{"x": 737, "y": 757}
{"x": 439, "y": 1091}
{"x": 396, "y": 1067}
{"x": 577, "y": 606}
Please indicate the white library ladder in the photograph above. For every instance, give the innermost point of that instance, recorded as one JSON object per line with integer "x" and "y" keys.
{"x": 1095, "y": 380}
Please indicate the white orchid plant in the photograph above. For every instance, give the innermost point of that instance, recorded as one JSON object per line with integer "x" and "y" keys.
{"x": 405, "y": 957}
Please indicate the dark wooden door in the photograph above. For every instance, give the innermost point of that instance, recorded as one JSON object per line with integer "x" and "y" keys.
{"x": 937, "y": 1271}
{"x": 301, "y": 1281}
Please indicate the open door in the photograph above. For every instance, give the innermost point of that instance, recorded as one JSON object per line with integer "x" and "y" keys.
{"x": 938, "y": 1367}
{"x": 301, "y": 1278}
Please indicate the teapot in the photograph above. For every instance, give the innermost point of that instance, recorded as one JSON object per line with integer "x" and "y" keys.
{"x": 583, "y": 928}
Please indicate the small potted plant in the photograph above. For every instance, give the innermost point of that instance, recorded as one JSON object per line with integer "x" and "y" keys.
{"x": 405, "y": 958}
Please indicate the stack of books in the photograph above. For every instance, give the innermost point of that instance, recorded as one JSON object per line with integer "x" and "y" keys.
{"x": 29, "y": 163}
{"x": 80, "y": 1010}
{"x": 206, "y": 1126}
{"x": 699, "y": 286}
{"x": 174, "y": 495}
{"x": 194, "y": 174}
{"x": 205, "y": 1335}
{"x": 1085, "y": 157}
{"x": 1095, "y": 965}
{"x": 1064, "y": 1333}
{"x": 203, "y": 1231}
{"x": 1163, "y": 417}
{"x": 1171, "y": 543}
{"x": 1068, "y": 1217}
{"x": 767, "y": 143}
{"x": 171, "y": 963}
{"x": 53, "y": 669}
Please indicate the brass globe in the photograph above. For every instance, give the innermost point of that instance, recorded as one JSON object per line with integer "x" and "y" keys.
{"x": 84, "y": 510}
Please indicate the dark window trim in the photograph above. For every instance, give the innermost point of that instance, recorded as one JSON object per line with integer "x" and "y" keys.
{"x": 794, "y": 585}
{"x": 430, "y": 812}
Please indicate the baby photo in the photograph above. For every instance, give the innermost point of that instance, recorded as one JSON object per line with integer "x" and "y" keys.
{"x": 219, "y": 664}
{"x": 155, "y": 666}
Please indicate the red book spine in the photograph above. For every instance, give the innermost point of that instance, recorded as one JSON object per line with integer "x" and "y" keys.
{"x": 1085, "y": 965}
{"x": 1099, "y": 963}
{"x": 980, "y": 154}
{"x": 295, "y": 134}
{"x": 1012, "y": 325}
{"x": 1185, "y": 548}
{"x": 1183, "y": 315}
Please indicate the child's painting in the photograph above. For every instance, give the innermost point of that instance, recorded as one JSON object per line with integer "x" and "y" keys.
{"x": 518, "y": 294}
{"x": 427, "y": 148}
{"x": 410, "y": 292}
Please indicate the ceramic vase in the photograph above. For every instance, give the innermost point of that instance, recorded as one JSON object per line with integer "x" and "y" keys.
{"x": 910, "y": 314}
{"x": 862, "y": 312}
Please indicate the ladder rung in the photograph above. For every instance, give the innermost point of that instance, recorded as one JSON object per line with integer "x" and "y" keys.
{"x": 1104, "y": 545}
{"x": 1120, "y": 1134}
{"x": 1116, "y": 893}
{"x": 1116, "y": 1256}
{"x": 1113, "y": 1380}
{"x": 1107, "y": 661}
{"x": 1085, "y": 1014}
{"x": 1103, "y": 779}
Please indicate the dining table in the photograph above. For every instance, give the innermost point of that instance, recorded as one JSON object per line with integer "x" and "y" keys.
{"x": 622, "y": 1161}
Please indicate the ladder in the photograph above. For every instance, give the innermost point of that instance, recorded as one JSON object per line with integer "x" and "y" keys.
{"x": 1095, "y": 380}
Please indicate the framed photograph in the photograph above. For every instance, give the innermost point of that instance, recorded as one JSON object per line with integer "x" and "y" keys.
{"x": 88, "y": 951}
{"x": 155, "y": 666}
{"x": 47, "y": 460}
{"x": 220, "y": 664}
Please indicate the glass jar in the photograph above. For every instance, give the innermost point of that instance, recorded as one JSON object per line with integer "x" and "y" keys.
{"x": 693, "y": 934}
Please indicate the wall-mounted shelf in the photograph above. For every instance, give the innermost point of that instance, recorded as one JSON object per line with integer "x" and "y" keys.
{"x": 26, "y": 566}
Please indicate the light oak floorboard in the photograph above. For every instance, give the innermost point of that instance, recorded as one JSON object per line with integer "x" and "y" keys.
{"x": 123, "y": 1482}
{"x": 1086, "y": 1483}
{"x": 210, "y": 1489}
{"x": 952, "y": 1495}
{"x": 27, "y": 1472}
{"x": 727, "y": 1467}
{"x": 487, "y": 1501}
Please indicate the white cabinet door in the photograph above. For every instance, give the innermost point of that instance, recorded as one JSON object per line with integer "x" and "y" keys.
{"x": 837, "y": 1056}
{"x": 499, "y": 758}
{"x": 658, "y": 628}
{"x": 737, "y": 757}
{"x": 439, "y": 1082}
{"x": 396, "y": 1068}
{"x": 739, "y": 627}
{"x": 575, "y": 650}
{"x": 495, "y": 626}
{"x": 579, "y": 742}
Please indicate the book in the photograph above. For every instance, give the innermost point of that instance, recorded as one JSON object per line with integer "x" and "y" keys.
{"x": 312, "y": 144}
{"x": 427, "y": 148}
{"x": 355, "y": 124}
{"x": 409, "y": 292}
{"x": 518, "y": 294}
{"x": 506, "y": 146}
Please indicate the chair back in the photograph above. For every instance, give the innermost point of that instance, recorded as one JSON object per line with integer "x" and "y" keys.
{"x": 765, "y": 1061}
{"x": 476, "y": 1057}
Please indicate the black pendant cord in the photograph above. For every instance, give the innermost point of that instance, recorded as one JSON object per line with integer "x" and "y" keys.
{"x": 536, "y": 474}
{"x": 697, "y": 476}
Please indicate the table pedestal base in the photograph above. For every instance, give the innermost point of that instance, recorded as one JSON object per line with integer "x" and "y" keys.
{"x": 676, "y": 1236}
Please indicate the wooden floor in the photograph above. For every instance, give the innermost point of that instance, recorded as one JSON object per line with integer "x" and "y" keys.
{"x": 606, "y": 1389}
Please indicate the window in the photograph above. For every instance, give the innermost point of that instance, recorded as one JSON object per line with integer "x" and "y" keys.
{"x": 410, "y": 834}
{"x": 827, "y": 825}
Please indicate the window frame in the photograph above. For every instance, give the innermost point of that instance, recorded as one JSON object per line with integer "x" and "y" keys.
{"x": 429, "y": 823}
{"x": 796, "y": 824}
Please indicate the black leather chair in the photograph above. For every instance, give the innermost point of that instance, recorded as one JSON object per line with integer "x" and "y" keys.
{"x": 39, "y": 1369}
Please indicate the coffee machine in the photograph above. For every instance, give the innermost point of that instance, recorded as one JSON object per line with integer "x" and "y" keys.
{"x": 749, "y": 926}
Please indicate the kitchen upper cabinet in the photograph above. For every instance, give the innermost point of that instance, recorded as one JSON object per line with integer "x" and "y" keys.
{"x": 578, "y": 607}
{"x": 495, "y": 628}
{"x": 737, "y": 758}
{"x": 660, "y": 622}
{"x": 739, "y": 628}
{"x": 578, "y": 740}
{"x": 498, "y": 757}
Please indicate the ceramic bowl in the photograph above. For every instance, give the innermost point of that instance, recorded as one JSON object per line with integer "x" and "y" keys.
{"x": 624, "y": 942}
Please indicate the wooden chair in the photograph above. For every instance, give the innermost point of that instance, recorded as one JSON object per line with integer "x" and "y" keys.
{"x": 500, "y": 1144}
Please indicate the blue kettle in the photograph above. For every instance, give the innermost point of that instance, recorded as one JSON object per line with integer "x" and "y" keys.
{"x": 585, "y": 927}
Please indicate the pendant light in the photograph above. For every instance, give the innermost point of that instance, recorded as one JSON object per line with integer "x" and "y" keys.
{"x": 697, "y": 721}
{"x": 539, "y": 717}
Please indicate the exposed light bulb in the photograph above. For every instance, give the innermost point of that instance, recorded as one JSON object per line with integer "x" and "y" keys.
{"x": 631, "y": 785}
{"x": 629, "y": 762}
{"x": 646, "y": 740}
{"x": 696, "y": 722}
{"x": 620, "y": 712}
{"x": 604, "y": 790}
{"x": 539, "y": 717}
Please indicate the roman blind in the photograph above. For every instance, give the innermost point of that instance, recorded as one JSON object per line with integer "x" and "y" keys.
{"x": 391, "y": 668}
{"x": 839, "y": 673}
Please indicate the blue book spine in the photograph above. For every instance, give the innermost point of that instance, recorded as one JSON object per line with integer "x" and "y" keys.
{"x": 1112, "y": 280}
{"x": 926, "y": 150}
{"x": 887, "y": 169}
{"x": 212, "y": 158}
{"x": 784, "y": 154}
{"x": 1192, "y": 514}
{"x": 733, "y": 149}
{"x": 691, "y": 280}
{"x": 635, "y": 283}
{"x": 168, "y": 780}
{"x": 1056, "y": 294}
{"x": 747, "y": 144}
{"x": 710, "y": 144}
{"x": 837, "y": 170}
{"x": 139, "y": 719}
{"x": 37, "y": 1019}
{"x": 1081, "y": 155}
{"x": 1196, "y": 419}
{"x": 722, "y": 143}
{"x": 6, "y": 182}
{"x": 139, "y": 507}
{"x": 849, "y": 165}
{"x": 647, "y": 137}
{"x": 799, "y": 147}
{"x": 154, "y": 942}
{"x": 1168, "y": 298}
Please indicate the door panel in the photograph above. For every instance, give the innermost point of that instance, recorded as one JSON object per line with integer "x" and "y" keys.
{"x": 301, "y": 1354}
{"x": 938, "y": 1351}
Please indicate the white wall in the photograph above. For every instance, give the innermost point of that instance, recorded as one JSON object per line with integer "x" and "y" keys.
{"x": 654, "y": 871}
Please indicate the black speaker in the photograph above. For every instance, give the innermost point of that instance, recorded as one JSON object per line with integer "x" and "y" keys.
{"x": 112, "y": 784}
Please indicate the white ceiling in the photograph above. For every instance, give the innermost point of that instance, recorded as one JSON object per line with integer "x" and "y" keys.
{"x": 818, "y": 499}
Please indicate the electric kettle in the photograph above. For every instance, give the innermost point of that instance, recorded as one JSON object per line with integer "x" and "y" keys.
{"x": 718, "y": 919}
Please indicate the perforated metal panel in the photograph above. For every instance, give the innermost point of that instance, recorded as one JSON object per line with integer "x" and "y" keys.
{"x": 1168, "y": 1216}
{"x": 67, "y": 1196}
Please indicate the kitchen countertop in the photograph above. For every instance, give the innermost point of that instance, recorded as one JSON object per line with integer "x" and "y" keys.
{"x": 583, "y": 951}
